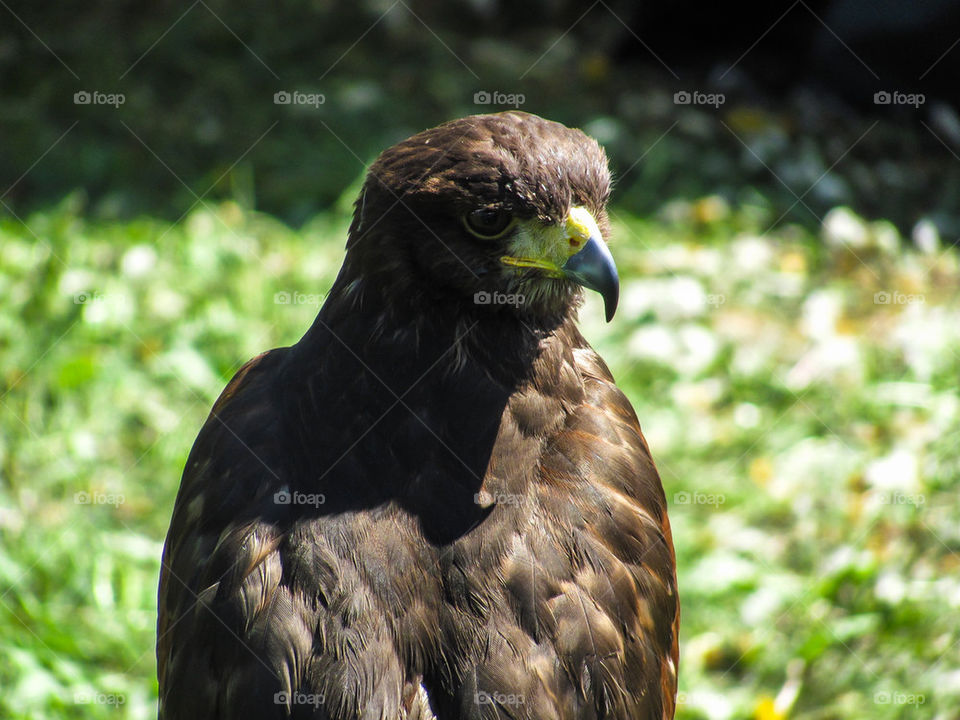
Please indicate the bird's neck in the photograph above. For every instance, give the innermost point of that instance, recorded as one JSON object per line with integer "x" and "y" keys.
{"x": 413, "y": 393}
{"x": 404, "y": 332}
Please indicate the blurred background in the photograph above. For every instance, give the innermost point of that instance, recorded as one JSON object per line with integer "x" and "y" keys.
{"x": 175, "y": 186}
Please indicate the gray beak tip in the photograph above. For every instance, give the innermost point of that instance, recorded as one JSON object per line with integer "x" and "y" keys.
{"x": 593, "y": 267}
{"x": 610, "y": 301}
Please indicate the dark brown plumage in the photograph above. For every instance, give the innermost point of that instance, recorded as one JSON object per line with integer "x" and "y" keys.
{"x": 433, "y": 503}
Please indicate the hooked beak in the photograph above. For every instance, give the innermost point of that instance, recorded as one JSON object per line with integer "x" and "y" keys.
{"x": 574, "y": 250}
{"x": 591, "y": 265}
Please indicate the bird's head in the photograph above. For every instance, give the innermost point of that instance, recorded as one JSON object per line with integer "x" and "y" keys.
{"x": 502, "y": 213}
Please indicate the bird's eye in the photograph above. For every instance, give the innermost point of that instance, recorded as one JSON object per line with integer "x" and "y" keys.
{"x": 488, "y": 223}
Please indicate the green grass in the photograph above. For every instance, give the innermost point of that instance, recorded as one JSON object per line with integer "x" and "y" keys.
{"x": 808, "y": 438}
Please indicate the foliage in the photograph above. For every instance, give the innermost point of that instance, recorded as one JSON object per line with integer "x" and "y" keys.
{"x": 198, "y": 116}
{"x": 799, "y": 394}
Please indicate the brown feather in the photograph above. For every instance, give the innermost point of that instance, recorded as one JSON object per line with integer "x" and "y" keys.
{"x": 487, "y": 535}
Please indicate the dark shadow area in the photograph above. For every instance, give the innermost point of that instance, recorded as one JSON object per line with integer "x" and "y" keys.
{"x": 799, "y": 107}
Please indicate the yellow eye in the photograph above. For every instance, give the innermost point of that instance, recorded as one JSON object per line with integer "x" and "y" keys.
{"x": 488, "y": 223}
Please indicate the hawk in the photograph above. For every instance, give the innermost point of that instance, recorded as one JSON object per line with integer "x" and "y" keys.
{"x": 437, "y": 503}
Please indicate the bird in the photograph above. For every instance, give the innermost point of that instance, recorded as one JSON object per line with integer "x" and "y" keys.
{"x": 437, "y": 503}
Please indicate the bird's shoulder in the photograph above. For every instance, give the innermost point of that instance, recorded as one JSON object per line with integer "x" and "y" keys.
{"x": 253, "y": 579}
{"x": 213, "y": 538}
{"x": 241, "y": 441}
{"x": 587, "y": 557}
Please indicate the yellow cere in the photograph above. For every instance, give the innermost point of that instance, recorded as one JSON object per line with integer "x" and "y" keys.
{"x": 580, "y": 227}
{"x": 548, "y": 247}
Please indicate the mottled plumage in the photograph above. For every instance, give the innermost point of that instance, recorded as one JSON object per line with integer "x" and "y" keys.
{"x": 429, "y": 505}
